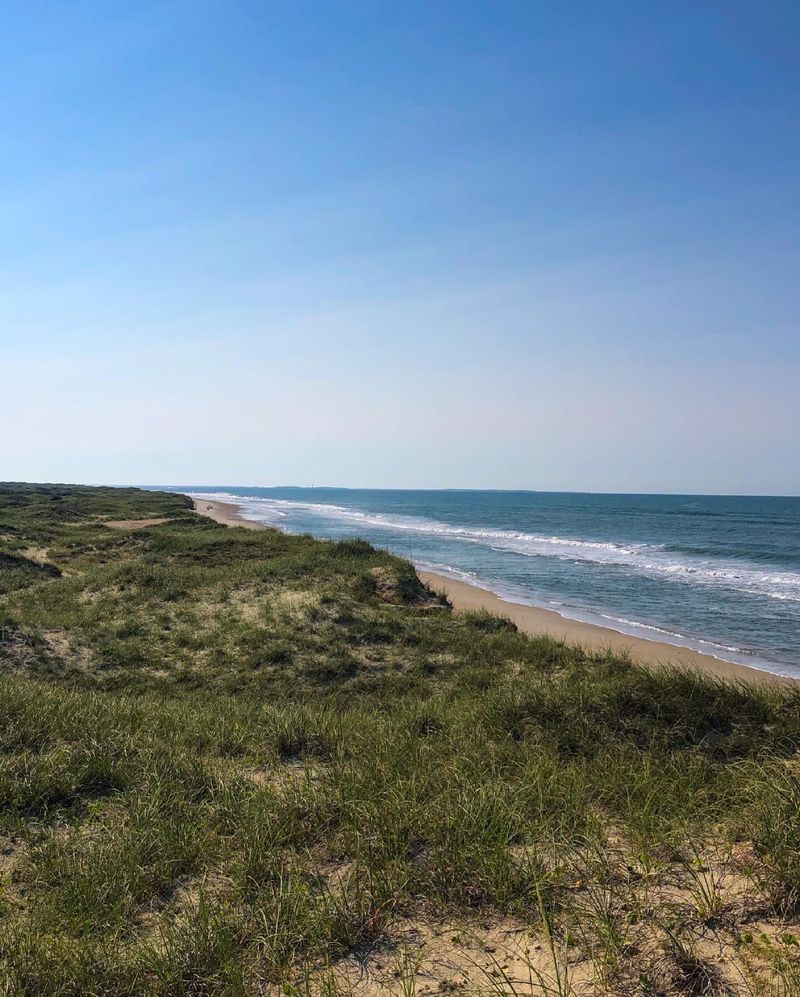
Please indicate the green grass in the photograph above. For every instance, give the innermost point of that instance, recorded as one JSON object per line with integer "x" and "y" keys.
{"x": 234, "y": 760}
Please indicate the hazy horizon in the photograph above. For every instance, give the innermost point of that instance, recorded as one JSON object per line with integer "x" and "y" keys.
{"x": 199, "y": 486}
{"x": 434, "y": 488}
{"x": 461, "y": 245}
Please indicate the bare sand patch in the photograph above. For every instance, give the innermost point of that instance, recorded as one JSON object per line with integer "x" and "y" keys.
{"x": 426, "y": 958}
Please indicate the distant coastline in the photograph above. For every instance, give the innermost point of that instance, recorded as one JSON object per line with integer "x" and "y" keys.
{"x": 533, "y": 620}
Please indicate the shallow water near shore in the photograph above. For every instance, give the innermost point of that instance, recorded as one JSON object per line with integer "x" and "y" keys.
{"x": 717, "y": 574}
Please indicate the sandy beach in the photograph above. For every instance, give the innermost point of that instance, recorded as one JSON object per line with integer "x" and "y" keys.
{"x": 534, "y": 620}
{"x": 226, "y": 513}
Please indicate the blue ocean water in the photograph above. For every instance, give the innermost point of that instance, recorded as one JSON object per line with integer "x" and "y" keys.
{"x": 720, "y": 574}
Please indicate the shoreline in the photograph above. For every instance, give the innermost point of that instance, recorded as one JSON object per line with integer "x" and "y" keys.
{"x": 538, "y": 622}
{"x": 225, "y": 513}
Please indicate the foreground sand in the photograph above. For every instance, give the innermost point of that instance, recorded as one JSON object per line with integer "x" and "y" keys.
{"x": 533, "y": 620}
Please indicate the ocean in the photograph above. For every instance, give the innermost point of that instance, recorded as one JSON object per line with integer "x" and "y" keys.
{"x": 714, "y": 573}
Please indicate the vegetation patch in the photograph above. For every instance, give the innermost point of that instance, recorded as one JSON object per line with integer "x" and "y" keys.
{"x": 17, "y": 572}
{"x": 241, "y": 762}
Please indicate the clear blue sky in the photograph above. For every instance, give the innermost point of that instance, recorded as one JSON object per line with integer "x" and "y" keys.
{"x": 495, "y": 244}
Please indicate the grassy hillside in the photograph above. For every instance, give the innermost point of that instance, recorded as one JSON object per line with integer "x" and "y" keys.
{"x": 239, "y": 762}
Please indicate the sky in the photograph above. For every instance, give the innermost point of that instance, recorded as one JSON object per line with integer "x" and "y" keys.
{"x": 547, "y": 244}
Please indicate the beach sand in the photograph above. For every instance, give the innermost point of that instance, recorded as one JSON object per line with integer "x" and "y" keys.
{"x": 533, "y": 620}
{"x": 226, "y": 513}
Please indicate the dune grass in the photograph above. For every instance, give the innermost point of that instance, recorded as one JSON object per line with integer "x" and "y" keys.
{"x": 240, "y": 762}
